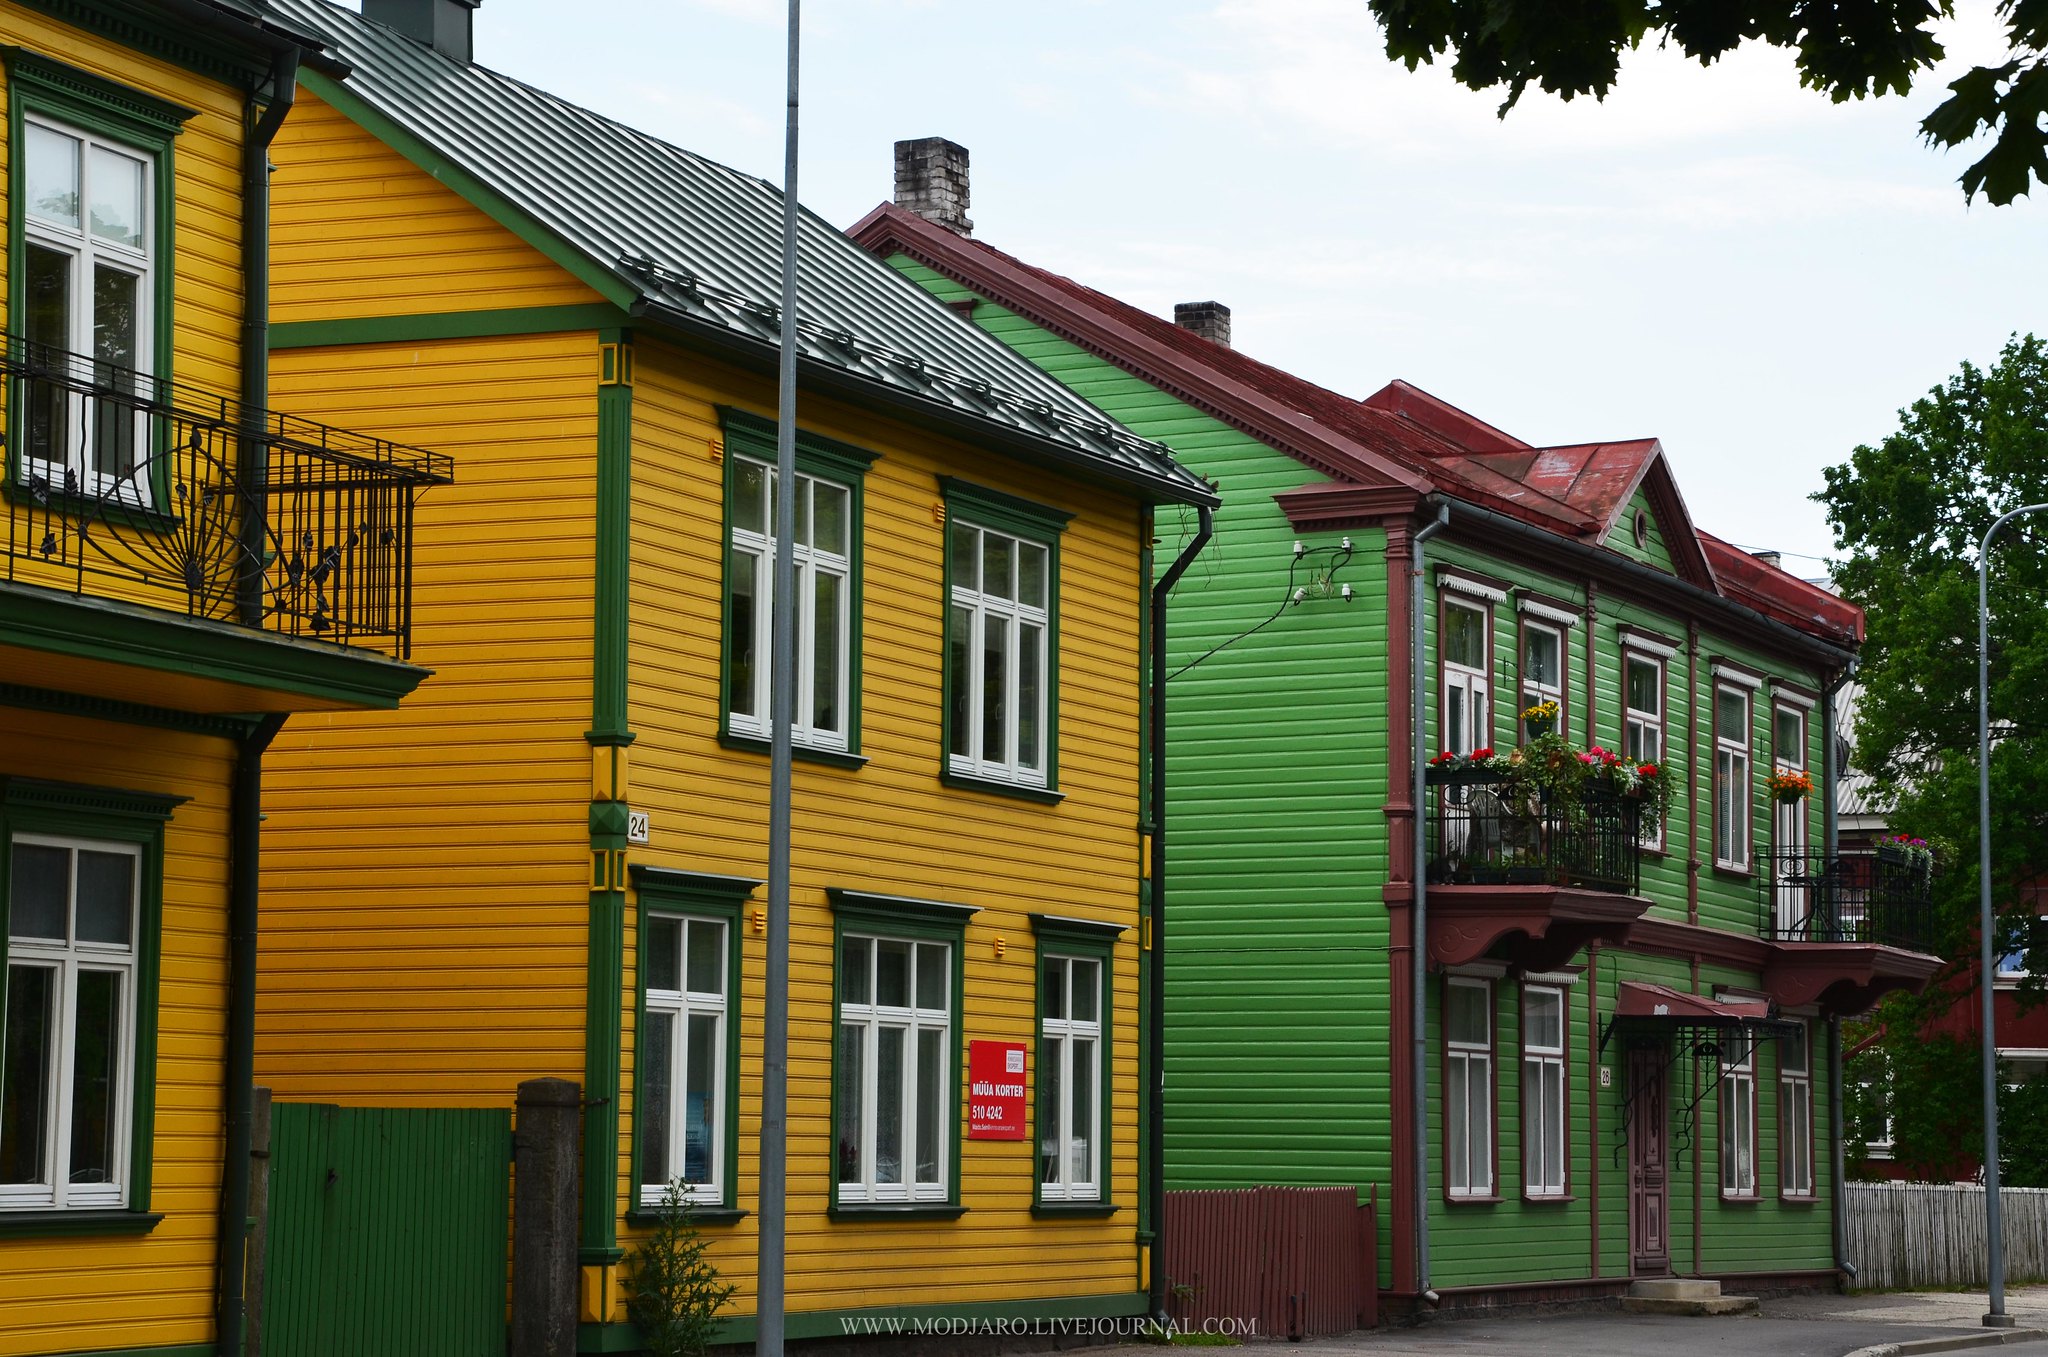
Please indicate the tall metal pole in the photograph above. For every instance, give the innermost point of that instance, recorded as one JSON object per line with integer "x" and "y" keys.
{"x": 781, "y": 707}
{"x": 1994, "y": 1209}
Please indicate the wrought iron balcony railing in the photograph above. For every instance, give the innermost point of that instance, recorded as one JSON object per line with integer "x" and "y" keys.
{"x": 1850, "y": 897}
{"x": 121, "y": 484}
{"x": 1482, "y": 830}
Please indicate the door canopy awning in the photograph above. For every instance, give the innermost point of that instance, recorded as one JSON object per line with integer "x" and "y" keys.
{"x": 1639, "y": 999}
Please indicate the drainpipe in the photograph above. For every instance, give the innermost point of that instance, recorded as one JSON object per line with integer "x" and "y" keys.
{"x": 245, "y": 811}
{"x": 1830, "y": 839}
{"x": 1418, "y": 914}
{"x": 1155, "y": 998}
{"x": 252, "y": 468}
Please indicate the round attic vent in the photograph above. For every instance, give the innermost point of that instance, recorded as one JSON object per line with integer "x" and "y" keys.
{"x": 1642, "y": 526}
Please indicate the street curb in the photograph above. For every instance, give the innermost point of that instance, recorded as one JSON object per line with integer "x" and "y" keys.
{"x": 1993, "y": 1339}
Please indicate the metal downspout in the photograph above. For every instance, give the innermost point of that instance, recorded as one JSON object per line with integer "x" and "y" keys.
{"x": 245, "y": 827}
{"x": 1155, "y": 997}
{"x": 1830, "y": 840}
{"x": 1418, "y": 914}
{"x": 246, "y": 813}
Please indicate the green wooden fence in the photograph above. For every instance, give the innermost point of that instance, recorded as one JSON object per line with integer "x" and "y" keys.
{"x": 387, "y": 1231}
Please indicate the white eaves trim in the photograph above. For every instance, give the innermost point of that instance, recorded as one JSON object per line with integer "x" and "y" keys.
{"x": 1786, "y": 697}
{"x": 1738, "y": 676}
{"x": 1479, "y": 970}
{"x": 1635, "y": 640}
{"x": 1552, "y": 977}
{"x": 1548, "y": 613}
{"x": 1460, "y": 584}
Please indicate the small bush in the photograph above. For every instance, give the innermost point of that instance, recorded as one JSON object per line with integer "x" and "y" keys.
{"x": 672, "y": 1290}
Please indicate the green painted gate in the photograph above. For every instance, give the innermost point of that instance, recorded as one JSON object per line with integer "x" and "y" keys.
{"x": 387, "y": 1231}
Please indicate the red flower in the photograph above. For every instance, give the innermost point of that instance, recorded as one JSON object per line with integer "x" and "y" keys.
{"x": 1647, "y": 770}
{"x": 1482, "y": 753}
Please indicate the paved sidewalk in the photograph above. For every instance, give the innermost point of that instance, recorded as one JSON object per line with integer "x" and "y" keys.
{"x": 1792, "y": 1326}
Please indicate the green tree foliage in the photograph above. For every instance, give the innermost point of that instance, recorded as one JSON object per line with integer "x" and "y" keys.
{"x": 1846, "y": 49}
{"x": 1908, "y": 515}
{"x": 673, "y": 1292}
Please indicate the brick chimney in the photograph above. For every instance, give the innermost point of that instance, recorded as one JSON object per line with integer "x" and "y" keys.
{"x": 443, "y": 25}
{"x": 931, "y": 180}
{"x": 1210, "y": 320}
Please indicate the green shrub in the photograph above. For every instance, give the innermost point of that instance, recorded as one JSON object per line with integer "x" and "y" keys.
{"x": 672, "y": 1290}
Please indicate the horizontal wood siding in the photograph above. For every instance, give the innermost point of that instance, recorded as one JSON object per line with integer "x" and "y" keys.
{"x": 425, "y": 870}
{"x": 87, "y": 1293}
{"x": 891, "y": 827}
{"x": 337, "y": 188}
{"x": 1656, "y": 548}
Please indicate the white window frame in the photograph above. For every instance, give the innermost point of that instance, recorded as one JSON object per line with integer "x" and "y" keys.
{"x": 1468, "y": 1069}
{"x": 68, "y": 959}
{"x": 1642, "y": 731}
{"x": 680, "y": 1005}
{"x": 1069, "y": 1032}
{"x": 1474, "y": 685}
{"x": 1546, "y": 1122}
{"x": 1733, "y": 794}
{"x": 1006, "y": 764}
{"x": 1532, "y": 690}
{"x": 1738, "y": 1117}
{"x": 757, "y": 547}
{"x": 2010, "y": 968}
{"x": 872, "y": 1018}
{"x": 86, "y": 251}
{"x": 1788, "y": 821}
{"x": 1795, "y": 1117}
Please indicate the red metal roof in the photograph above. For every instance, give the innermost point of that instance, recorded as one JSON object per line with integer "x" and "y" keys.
{"x": 1400, "y": 436}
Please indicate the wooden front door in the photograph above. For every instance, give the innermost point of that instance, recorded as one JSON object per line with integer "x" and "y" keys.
{"x": 1649, "y": 1178}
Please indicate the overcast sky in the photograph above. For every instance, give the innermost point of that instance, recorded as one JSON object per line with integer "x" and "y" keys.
{"x": 1715, "y": 257}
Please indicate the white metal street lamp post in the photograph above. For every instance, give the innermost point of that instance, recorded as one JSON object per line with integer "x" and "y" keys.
{"x": 1994, "y": 1223}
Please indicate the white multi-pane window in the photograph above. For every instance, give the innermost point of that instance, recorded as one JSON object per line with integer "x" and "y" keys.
{"x": 89, "y": 214}
{"x": 1731, "y": 778}
{"x": 1788, "y": 818}
{"x": 1070, "y": 1079}
{"x": 682, "y": 1057}
{"x": 67, "y": 1042}
{"x": 1468, "y": 1086}
{"x": 1738, "y": 1115}
{"x": 1543, "y": 654}
{"x": 999, "y": 639}
{"x": 895, "y": 1069}
{"x": 1643, "y": 722}
{"x": 1795, "y": 1114}
{"x": 1543, "y": 1079}
{"x": 1467, "y": 709}
{"x": 824, "y": 589}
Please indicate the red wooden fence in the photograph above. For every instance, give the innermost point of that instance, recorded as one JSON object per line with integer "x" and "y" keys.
{"x": 1299, "y": 1262}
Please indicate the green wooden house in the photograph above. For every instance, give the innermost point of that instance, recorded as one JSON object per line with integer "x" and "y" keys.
{"x": 1626, "y": 1060}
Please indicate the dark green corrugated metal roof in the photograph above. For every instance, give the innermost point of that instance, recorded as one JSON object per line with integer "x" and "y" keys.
{"x": 698, "y": 246}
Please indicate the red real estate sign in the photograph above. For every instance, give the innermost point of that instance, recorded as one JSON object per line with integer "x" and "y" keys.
{"x": 995, "y": 1088}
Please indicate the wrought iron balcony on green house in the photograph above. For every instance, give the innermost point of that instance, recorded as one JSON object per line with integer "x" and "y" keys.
{"x": 1483, "y": 829}
{"x": 1883, "y": 898}
{"x": 125, "y": 486}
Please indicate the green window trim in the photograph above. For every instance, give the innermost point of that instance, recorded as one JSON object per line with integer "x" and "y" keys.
{"x": 142, "y": 122}
{"x": 114, "y": 815}
{"x": 749, "y": 435}
{"x": 866, "y": 913}
{"x": 1092, "y": 940}
{"x": 1005, "y": 513}
{"x": 701, "y": 895}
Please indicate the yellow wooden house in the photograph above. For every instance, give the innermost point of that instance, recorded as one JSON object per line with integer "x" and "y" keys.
{"x": 181, "y": 570}
{"x": 551, "y": 865}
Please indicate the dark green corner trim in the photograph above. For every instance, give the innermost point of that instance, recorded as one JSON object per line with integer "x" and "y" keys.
{"x": 802, "y": 753}
{"x": 123, "y": 633}
{"x": 614, "y": 543}
{"x": 1000, "y": 510}
{"x": 968, "y": 782}
{"x": 39, "y": 1224}
{"x": 896, "y": 1211}
{"x": 491, "y": 324}
{"x": 127, "y": 713}
{"x": 896, "y": 908}
{"x": 671, "y": 884}
{"x": 1063, "y": 926}
{"x": 492, "y": 203}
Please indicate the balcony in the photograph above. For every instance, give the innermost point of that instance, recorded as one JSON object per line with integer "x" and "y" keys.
{"x": 1483, "y": 832}
{"x": 1515, "y": 877}
{"x": 1872, "y": 898}
{"x": 150, "y": 495}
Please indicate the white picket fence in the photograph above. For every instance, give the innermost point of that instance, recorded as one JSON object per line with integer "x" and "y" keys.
{"x": 1915, "y": 1235}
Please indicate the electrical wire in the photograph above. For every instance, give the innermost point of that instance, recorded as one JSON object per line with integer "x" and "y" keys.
{"x": 1342, "y": 555}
